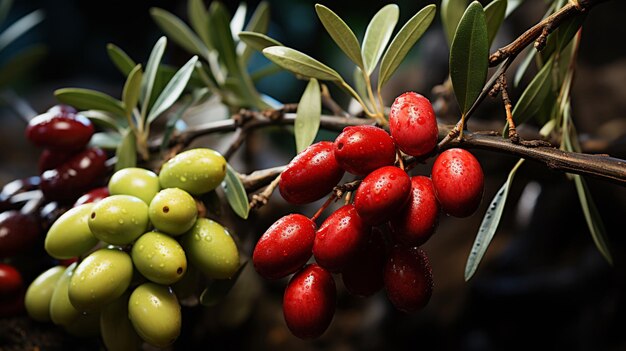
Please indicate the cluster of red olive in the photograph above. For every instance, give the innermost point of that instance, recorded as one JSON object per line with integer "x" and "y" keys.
{"x": 374, "y": 241}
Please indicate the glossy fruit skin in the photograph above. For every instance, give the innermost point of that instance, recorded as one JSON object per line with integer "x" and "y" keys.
{"x": 413, "y": 124}
{"x": 18, "y": 233}
{"x": 62, "y": 312}
{"x": 211, "y": 249}
{"x": 15, "y": 187}
{"x": 138, "y": 182}
{"x": 70, "y": 236}
{"x": 311, "y": 175}
{"x": 408, "y": 279}
{"x": 11, "y": 282}
{"x": 51, "y": 159}
{"x": 363, "y": 149}
{"x": 155, "y": 314}
{"x": 309, "y": 302}
{"x": 458, "y": 181}
{"x": 363, "y": 275}
{"x": 100, "y": 278}
{"x": 285, "y": 247}
{"x": 159, "y": 258}
{"x": 197, "y": 171}
{"x": 417, "y": 221}
{"x": 92, "y": 196}
{"x": 64, "y": 131}
{"x": 381, "y": 194}
{"x": 339, "y": 238}
{"x": 73, "y": 178}
{"x": 173, "y": 211}
{"x": 119, "y": 219}
{"x": 60, "y": 109}
{"x": 39, "y": 293}
{"x": 116, "y": 329}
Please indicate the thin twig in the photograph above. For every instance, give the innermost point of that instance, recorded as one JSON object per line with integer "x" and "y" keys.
{"x": 259, "y": 200}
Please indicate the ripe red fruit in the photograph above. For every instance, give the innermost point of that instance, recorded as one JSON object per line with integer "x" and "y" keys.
{"x": 363, "y": 275}
{"x": 417, "y": 222}
{"x": 11, "y": 281}
{"x": 18, "y": 233}
{"x": 363, "y": 149}
{"x": 50, "y": 159}
{"x": 93, "y": 195}
{"x": 59, "y": 109}
{"x": 408, "y": 279}
{"x": 339, "y": 238}
{"x": 285, "y": 247}
{"x": 458, "y": 182}
{"x": 60, "y": 130}
{"x": 413, "y": 124}
{"x": 309, "y": 302}
{"x": 311, "y": 175}
{"x": 381, "y": 194}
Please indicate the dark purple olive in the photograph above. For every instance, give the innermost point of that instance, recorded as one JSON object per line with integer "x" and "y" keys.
{"x": 18, "y": 233}
{"x": 51, "y": 159}
{"x": 93, "y": 195}
{"x": 58, "y": 130}
{"x": 15, "y": 187}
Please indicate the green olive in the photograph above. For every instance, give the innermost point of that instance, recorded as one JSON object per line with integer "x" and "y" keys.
{"x": 39, "y": 293}
{"x": 100, "y": 278}
{"x": 62, "y": 312}
{"x": 117, "y": 332}
{"x": 173, "y": 211}
{"x": 211, "y": 249}
{"x": 70, "y": 236}
{"x": 196, "y": 171}
{"x": 138, "y": 182}
{"x": 119, "y": 219}
{"x": 159, "y": 257}
{"x": 155, "y": 313}
{"x": 87, "y": 325}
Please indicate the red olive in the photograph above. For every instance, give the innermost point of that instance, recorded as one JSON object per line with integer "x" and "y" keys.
{"x": 363, "y": 149}
{"x": 363, "y": 276}
{"x": 413, "y": 124}
{"x": 11, "y": 281}
{"x": 18, "y": 233}
{"x": 58, "y": 130}
{"x": 51, "y": 159}
{"x": 408, "y": 279}
{"x": 381, "y": 194}
{"x": 417, "y": 221}
{"x": 62, "y": 109}
{"x": 93, "y": 195}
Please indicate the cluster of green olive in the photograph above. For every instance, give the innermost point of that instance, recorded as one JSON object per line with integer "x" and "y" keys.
{"x": 136, "y": 245}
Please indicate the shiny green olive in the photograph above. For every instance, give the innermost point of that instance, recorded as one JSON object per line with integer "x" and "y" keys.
{"x": 116, "y": 329}
{"x": 138, "y": 182}
{"x": 62, "y": 312}
{"x": 119, "y": 219}
{"x": 87, "y": 325}
{"x": 70, "y": 236}
{"x": 196, "y": 171}
{"x": 211, "y": 249}
{"x": 39, "y": 293}
{"x": 173, "y": 211}
{"x": 99, "y": 279}
{"x": 155, "y": 313}
{"x": 159, "y": 257}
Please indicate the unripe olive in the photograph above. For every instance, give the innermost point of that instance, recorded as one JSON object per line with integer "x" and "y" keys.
{"x": 62, "y": 312}
{"x": 196, "y": 171}
{"x": 159, "y": 258}
{"x": 211, "y": 249}
{"x": 138, "y": 182}
{"x": 116, "y": 329}
{"x": 39, "y": 293}
{"x": 70, "y": 235}
{"x": 155, "y": 313}
{"x": 100, "y": 278}
{"x": 173, "y": 211}
{"x": 119, "y": 219}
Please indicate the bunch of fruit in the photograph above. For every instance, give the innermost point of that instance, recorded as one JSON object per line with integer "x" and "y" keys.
{"x": 374, "y": 241}
{"x": 137, "y": 246}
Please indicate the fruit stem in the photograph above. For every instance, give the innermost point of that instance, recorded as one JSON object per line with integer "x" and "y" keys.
{"x": 400, "y": 159}
{"x": 324, "y": 206}
{"x": 354, "y": 94}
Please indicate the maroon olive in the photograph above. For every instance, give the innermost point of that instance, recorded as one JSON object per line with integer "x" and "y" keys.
{"x": 309, "y": 302}
{"x": 408, "y": 279}
{"x": 51, "y": 212}
{"x": 381, "y": 194}
{"x": 15, "y": 187}
{"x": 51, "y": 159}
{"x": 61, "y": 109}
{"x": 93, "y": 195}
{"x": 363, "y": 149}
{"x": 363, "y": 276}
{"x": 18, "y": 233}
{"x": 413, "y": 124}
{"x": 458, "y": 182}
{"x": 59, "y": 130}
{"x": 11, "y": 281}
{"x": 417, "y": 221}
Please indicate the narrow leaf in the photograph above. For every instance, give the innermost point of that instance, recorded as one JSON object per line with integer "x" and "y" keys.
{"x": 106, "y": 140}
{"x": 308, "y": 115}
{"x": 377, "y": 36}
{"x": 19, "y": 64}
{"x": 562, "y": 36}
{"x": 87, "y": 99}
{"x": 512, "y": 5}
{"x": 592, "y": 216}
{"x": 105, "y": 120}
{"x": 533, "y": 97}
{"x": 147, "y": 83}
{"x": 199, "y": 19}
{"x": 341, "y": 33}
{"x": 236, "y": 193}
{"x": 404, "y": 41}
{"x": 489, "y": 225}
{"x": 469, "y": 56}
{"x": 19, "y": 27}
{"x": 494, "y": 15}
{"x": 172, "y": 90}
{"x": 523, "y": 66}
{"x": 361, "y": 86}
{"x": 299, "y": 63}
{"x": 5, "y": 7}
{"x": 178, "y": 31}
{"x": 222, "y": 38}
{"x": 257, "y": 41}
{"x": 238, "y": 20}
{"x": 259, "y": 23}
{"x": 451, "y": 13}
{"x": 132, "y": 87}
{"x": 126, "y": 152}
{"x": 217, "y": 289}
{"x": 173, "y": 118}
{"x": 120, "y": 59}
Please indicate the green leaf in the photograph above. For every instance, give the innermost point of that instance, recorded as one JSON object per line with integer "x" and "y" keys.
{"x": 494, "y": 15}
{"x": 132, "y": 87}
{"x": 126, "y": 151}
{"x": 469, "y": 56}
{"x": 106, "y": 140}
{"x": 87, "y": 99}
{"x": 408, "y": 35}
{"x": 558, "y": 40}
{"x": 217, "y": 289}
{"x": 377, "y": 36}
{"x": 523, "y": 66}
{"x": 21, "y": 63}
{"x": 533, "y": 97}
{"x": 222, "y": 37}
{"x": 592, "y": 216}
{"x": 258, "y": 41}
{"x": 196, "y": 96}
{"x": 308, "y": 115}
{"x": 489, "y": 225}
{"x": 19, "y": 27}
{"x": 172, "y": 90}
{"x": 238, "y": 20}
{"x": 361, "y": 86}
{"x": 259, "y": 23}
{"x": 120, "y": 59}
{"x": 513, "y": 4}
{"x": 341, "y": 33}
{"x": 199, "y": 19}
{"x": 5, "y": 7}
{"x": 105, "y": 120}
{"x": 178, "y": 31}
{"x": 150, "y": 74}
{"x": 236, "y": 193}
{"x": 299, "y": 63}
{"x": 451, "y": 13}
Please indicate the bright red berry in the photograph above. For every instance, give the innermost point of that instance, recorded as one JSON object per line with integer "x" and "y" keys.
{"x": 309, "y": 302}
{"x": 363, "y": 275}
{"x": 18, "y": 233}
{"x": 311, "y": 175}
{"x": 60, "y": 130}
{"x": 50, "y": 159}
{"x": 285, "y": 247}
{"x": 93, "y": 195}
{"x": 408, "y": 279}
{"x": 417, "y": 221}
{"x": 339, "y": 238}
{"x": 413, "y": 124}
{"x": 363, "y": 149}
{"x": 458, "y": 182}
{"x": 381, "y": 194}
{"x": 11, "y": 281}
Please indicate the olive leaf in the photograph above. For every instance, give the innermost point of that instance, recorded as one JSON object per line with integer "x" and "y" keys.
{"x": 494, "y": 15}
{"x": 173, "y": 89}
{"x": 341, "y": 33}
{"x": 126, "y": 151}
{"x": 105, "y": 120}
{"x": 258, "y": 23}
{"x": 512, "y": 5}
{"x": 238, "y": 20}
{"x": 361, "y": 86}
{"x": 308, "y": 115}
{"x": 222, "y": 37}
{"x": 178, "y": 31}
{"x": 106, "y": 140}
{"x": 257, "y": 41}
{"x": 592, "y": 217}
{"x": 299, "y": 63}
{"x": 199, "y": 20}
{"x": 186, "y": 102}
{"x": 377, "y": 36}
{"x": 132, "y": 87}
{"x": 558, "y": 40}
{"x": 533, "y": 97}
{"x": 150, "y": 74}
{"x": 87, "y": 99}
{"x": 19, "y": 27}
{"x": 523, "y": 66}
{"x": 451, "y": 13}
{"x": 120, "y": 59}
{"x": 236, "y": 193}
{"x": 217, "y": 289}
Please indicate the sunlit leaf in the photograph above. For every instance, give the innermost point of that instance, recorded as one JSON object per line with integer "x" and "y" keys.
{"x": 19, "y": 64}
{"x": 533, "y": 97}
{"x": 87, "y": 99}
{"x": 259, "y": 23}
{"x": 199, "y": 20}
{"x": 150, "y": 74}
{"x": 238, "y": 20}
{"x": 308, "y": 115}
{"x": 178, "y": 31}
{"x": 377, "y": 36}
{"x": 172, "y": 90}
{"x": 132, "y": 87}
{"x": 299, "y": 63}
{"x": 217, "y": 289}
{"x": 19, "y": 27}
{"x": 494, "y": 15}
{"x": 258, "y": 41}
{"x": 592, "y": 216}
{"x": 126, "y": 151}
{"x": 120, "y": 59}
{"x": 236, "y": 193}
{"x": 106, "y": 140}
{"x": 451, "y": 13}
{"x": 341, "y": 33}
